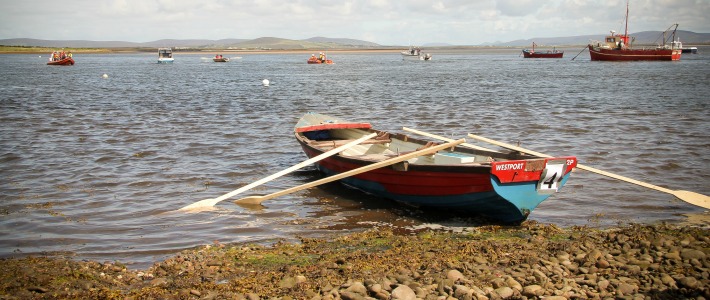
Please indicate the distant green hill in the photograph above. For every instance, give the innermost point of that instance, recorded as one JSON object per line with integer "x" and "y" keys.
{"x": 645, "y": 37}
{"x": 259, "y": 43}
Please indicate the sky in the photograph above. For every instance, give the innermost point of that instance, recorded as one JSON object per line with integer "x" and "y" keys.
{"x": 385, "y": 22}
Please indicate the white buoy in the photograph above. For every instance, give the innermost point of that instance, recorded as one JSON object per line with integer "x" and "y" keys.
{"x": 105, "y": 76}
{"x": 265, "y": 82}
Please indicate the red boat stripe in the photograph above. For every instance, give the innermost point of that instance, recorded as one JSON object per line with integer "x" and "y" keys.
{"x": 333, "y": 126}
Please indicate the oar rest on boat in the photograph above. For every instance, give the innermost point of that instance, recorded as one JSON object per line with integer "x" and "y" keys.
{"x": 380, "y": 139}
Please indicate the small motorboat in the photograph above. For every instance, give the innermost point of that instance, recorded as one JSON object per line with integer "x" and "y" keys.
{"x": 414, "y": 53}
{"x": 678, "y": 45}
{"x": 67, "y": 61}
{"x": 321, "y": 59}
{"x": 60, "y": 58}
{"x": 165, "y": 55}
{"x": 220, "y": 58}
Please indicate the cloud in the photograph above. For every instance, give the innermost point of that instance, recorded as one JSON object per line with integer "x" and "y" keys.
{"x": 518, "y": 8}
{"x": 387, "y": 22}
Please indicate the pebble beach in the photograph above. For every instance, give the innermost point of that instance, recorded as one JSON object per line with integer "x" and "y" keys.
{"x": 531, "y": 261}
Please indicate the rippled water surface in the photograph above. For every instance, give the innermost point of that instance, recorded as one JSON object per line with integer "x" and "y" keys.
{"x": 95, "y": 167}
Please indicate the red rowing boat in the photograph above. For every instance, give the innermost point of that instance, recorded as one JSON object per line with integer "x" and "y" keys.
{"x": 616, "y": 47}
{"x": 504, "y": 187}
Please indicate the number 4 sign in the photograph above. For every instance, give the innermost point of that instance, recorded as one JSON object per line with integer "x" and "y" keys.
{"x": 551, "y": 176}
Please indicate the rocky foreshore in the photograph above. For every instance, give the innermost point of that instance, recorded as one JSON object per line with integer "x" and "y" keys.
{"x": 532, "y": 261}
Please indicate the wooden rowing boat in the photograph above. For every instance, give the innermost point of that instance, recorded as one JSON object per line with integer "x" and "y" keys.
{"x": 505, "y": 187}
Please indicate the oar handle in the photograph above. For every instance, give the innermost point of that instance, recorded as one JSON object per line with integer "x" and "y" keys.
{"x": 258, "y": 200}
{"x": 509, "y": 146}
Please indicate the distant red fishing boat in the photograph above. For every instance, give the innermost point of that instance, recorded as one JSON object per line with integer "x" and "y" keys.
{"x": 616, "y": 47}
{"x": 527, "y": 53}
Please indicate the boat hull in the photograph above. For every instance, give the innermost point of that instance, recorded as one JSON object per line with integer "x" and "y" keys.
{"x": 63, "y": 62}
{"x": 319, "y": 62}
{"x": 220, "y": 59}
{"x": 406, "y": 56}
{"x": 503, "y": 191}
{"x": 601, "y": 54}
{"x": 549, "y": 54}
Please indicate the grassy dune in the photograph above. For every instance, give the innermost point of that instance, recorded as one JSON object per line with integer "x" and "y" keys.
{"x": 32, "y": 50}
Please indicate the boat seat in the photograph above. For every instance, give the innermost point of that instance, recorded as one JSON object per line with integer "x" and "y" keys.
{"x": 338, "y": 143}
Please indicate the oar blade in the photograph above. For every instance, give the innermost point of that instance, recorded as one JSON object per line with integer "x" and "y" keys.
{"x": 251, "y": 200}
{"x": 200, "y": 205}
{"x": 687, "y": 196}
{"x": 212, "y": 202}
{"x": 693, "y": 198}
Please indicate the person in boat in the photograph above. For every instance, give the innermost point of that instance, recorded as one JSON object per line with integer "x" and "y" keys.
{"x": 321, "y": 57}
{"x": 69, "y": 54}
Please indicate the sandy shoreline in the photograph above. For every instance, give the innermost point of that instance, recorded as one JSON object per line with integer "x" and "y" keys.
{"x": 248, "y": 52}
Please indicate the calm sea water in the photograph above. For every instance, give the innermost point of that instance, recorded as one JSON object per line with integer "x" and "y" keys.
{"x": 94, "y": 167}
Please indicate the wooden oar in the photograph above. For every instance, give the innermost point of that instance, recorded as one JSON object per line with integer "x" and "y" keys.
{"x": 687, "y": 196}
{"x": 211, "y": 202}
{"x": 434, "y": 136}
{"x": 258, "y": 199}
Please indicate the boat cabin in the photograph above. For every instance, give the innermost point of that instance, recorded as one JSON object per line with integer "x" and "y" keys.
{"x": 616, "y": 41}
{"x": 165, "y": 55}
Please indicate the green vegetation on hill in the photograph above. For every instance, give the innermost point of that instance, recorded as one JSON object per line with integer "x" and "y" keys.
{"x": 32, "y": 49}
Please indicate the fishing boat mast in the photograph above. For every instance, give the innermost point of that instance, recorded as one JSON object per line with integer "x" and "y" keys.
{"x": 626, "y": 27}
{"x": 625, "y": 38}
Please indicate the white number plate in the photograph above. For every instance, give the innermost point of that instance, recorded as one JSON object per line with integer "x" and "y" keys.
{"x": 551, "y": 176}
